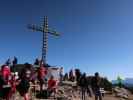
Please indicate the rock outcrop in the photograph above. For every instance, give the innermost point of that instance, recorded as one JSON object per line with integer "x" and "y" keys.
{"x": 121, "y": 92}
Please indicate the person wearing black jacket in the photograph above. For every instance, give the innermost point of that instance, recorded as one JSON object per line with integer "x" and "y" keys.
{"x": 15, "y": 61}
{"x": 96, "y": 82}
{"x": 2, "y": 82}
{"x": 78, "y": 75}
{"x": 83, "y": 84}
{"x": 25, "y": 78}
{"x": 4, "y": 86}
{"x": 88, "y": 86}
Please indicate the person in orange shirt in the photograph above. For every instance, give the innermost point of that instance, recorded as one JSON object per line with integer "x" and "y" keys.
{"x": 52, "y": 85}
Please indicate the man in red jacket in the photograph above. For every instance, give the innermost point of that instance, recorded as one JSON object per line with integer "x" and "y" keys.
{"x": 52, "y": 85}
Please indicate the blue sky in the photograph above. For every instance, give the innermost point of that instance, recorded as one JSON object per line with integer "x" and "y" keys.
{"x": 96, "y": 35}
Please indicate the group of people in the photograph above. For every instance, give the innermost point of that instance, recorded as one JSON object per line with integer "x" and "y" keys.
{"x": 11, "y": 82}
{"x": 13, "y": 62}
{"x": 87, "y": 84}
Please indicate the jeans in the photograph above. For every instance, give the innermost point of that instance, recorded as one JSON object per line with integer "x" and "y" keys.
{"x": 98, "y": 95}
{"x": 83, "y": 89}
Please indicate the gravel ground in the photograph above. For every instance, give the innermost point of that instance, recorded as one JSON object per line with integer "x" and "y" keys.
{"x": 107, "y": 97}
{"x": 75, "y": 95}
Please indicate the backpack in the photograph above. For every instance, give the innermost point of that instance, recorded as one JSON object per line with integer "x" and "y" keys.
{"x": 83, "y": 82}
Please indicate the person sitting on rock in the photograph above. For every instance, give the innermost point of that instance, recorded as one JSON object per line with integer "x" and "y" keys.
{"x": 51, "y": 85}
{"x": 71, "y": 76}
{"x": 36, "y": 62}
{"x": 65, "y": 78}
{"x": 8, "y": 62}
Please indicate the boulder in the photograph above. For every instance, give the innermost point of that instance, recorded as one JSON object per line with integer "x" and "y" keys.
{"x": 121, "y": 92}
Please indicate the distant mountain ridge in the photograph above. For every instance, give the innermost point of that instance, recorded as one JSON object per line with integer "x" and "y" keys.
{"x": 127, "y": 81}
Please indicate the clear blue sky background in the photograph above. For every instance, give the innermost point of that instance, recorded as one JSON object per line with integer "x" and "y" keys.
{"x": 96, "y": 35}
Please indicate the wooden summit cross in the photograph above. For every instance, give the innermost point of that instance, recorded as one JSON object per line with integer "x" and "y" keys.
{"x": 45, "y": 30}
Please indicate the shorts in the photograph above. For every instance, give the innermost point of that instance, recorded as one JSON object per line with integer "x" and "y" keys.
{"x": 97, "y": 93}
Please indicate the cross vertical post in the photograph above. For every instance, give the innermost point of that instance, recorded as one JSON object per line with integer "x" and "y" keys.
{"x": 45, "y": 30}
{"x": 45, "y": 39}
